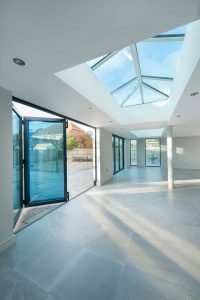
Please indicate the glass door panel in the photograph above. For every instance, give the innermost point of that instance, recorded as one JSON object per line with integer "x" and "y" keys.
{"x": 133, "y": 152}
{"x": 153, "y": 153}
{"x": 45, "y": 157}
{"x": 121, "y": 153}
{"x": 113, "y": 154}
{"x": 17, "y": 166}
{"x": 116, "y": 154}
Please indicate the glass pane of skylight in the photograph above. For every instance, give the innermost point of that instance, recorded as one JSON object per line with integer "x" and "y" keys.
{"x": 134, "y": 99}
{"x": 159, "y": 58}
{"x": 152, "y": 96}
{"x": 179, "y": 30}
{"x": 117, "y": 70}
{"x": 161, "y": 85}
{"x": 95, "y": 60}
{"x": 122, "y": 93}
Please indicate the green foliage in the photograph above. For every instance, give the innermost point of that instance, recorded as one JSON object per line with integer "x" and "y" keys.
{"x": 86, "y": 141}
{"x": 72, "y": 142}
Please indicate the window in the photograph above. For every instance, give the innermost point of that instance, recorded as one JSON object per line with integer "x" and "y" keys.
{"x": 143, "y": 72}
{"x": 133, "y": 152}
{"x": 118, "y": 153}
{"x": 153, "y": 153}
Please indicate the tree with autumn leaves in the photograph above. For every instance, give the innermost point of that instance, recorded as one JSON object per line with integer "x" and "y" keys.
{"x": 85, "y": 141}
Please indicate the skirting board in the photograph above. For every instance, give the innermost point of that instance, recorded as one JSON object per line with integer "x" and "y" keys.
{"x": 8, "y": 243}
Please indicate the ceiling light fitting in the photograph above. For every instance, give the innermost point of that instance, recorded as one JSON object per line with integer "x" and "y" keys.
{"x": 19, "y": 61}
{"x": 194, "y": 94}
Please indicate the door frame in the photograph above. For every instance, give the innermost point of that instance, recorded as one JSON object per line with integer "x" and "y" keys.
{"x": 153, "y": 138}
{"x": 26, "y": 161}
{"x": 131, "y": 153}
{"x": 114, "y": 154}
{"x": 21, "y": 166}
{"x": 25, "y": 102}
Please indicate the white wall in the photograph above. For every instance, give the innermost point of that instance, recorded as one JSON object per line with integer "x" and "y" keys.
{"x": 141, "y": 153}
{"x": 104, "y": 156}
{"x": 186, "y": 153}
{"x": 6, "y": 200}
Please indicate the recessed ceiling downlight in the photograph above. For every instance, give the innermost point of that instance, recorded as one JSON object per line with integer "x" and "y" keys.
{"x": 194, "y": 94}
{"x": 19, "y": 61}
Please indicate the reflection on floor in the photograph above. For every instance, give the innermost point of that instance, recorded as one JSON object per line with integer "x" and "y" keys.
{"x": 130, "y": 239}
{"x": 30, "y": 215}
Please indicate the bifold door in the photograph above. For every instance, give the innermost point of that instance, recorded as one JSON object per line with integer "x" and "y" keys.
{"x": 45, "y": 161}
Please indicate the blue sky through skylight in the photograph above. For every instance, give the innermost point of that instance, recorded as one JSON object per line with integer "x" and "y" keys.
{"x": 134, "y": 99}
{"x": 117, "y": 70}
{"x": 159, "y": 58}
{"x": 121, "y": 94}
{"x": 94, "y": 61}
{"x": 161, "y": 85}
{"x": 178, "y": 30}
{"x": 156, "y": 57}
{"x": 151, "y": 95}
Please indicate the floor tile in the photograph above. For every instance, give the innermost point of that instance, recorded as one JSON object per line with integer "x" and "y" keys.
{"x": 50, "y": 297}
{"x": 191, "y": 295}
{"x": 91, "y": 277}
{"x": 13, "y": 286}
{"x": 135, "y": 284}
{"x": 112, "y": 242}
{"x": 27, "y": 241}
{"x": 47, "y": 263}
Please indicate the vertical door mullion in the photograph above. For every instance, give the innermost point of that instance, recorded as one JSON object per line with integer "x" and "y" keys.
{"x": 122, "y": 153}
{"x": 119, "y": 154}
{"x": 65, "y": 125}
{"x": 120, "y": 167}
{"x": 114, "y": 153}
{"x": 26, "y": 163}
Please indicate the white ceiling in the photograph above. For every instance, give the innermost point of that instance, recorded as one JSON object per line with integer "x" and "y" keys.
{"x": 55, "y": 35}
{"x": 157, "y": 132}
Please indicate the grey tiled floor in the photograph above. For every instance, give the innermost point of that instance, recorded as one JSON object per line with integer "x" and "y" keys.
{"x": 130, "y": 239}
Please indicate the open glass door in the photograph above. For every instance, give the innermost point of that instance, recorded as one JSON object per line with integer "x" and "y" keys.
{"x": 17, "y": 166}
{"x": 45, "y": 160}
